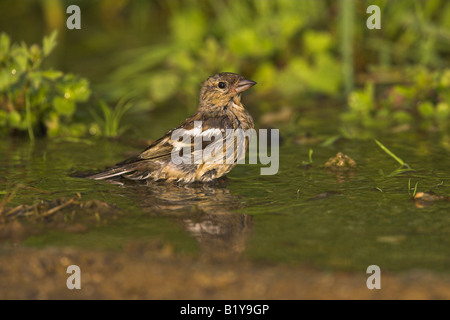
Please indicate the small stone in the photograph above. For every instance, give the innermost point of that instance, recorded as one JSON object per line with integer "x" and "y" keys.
{"x": 340, "y": 162}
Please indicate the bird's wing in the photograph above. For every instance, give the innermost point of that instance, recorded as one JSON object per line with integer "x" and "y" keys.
{"x": 196, "y": 126}
{"x": 160, "y": 152}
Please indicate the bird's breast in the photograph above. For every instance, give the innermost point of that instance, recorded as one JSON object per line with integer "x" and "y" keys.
{"x": 242, "y": 118}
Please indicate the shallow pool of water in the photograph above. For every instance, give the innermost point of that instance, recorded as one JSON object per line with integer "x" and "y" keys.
{"x": 303, "y": 215}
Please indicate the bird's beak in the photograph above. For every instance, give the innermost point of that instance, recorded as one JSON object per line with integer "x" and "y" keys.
{"x": 244, "y": 84}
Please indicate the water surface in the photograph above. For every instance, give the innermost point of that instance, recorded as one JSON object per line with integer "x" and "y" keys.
{"x": 304, "y": 215}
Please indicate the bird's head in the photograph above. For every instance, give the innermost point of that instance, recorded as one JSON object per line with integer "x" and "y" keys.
{"x": 223, "y": 87}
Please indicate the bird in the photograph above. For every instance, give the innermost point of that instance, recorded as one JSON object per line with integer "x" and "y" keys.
{"x": 220, "y": 113}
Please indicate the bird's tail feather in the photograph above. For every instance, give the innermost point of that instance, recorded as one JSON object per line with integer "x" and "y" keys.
{"x": 112, "y": 172}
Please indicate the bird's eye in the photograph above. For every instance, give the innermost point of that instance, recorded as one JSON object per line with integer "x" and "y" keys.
{"x": 222, "y": 85}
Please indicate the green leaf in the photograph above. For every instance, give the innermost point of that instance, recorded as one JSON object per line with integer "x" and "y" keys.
{"x": 63, "y": 106}
{"x": 51, "y": 74}
{"x": 189, "y": 27}
{"x": 35, "y": 55}
{"x": 3, "y": 118}
{"x": 248, "y": 42}
{"x": 35, "y": 79}
{"x": 362, "y": 101}
{"x": 325, "y": 77}
{"x": 317, "y": 42}
{"x": 4, "y": 46}
{"x": 49, "y": 43}
{"x": 426, "y": 109}
{"x": 163, "y": 85}
{"x": 74, "y": 88}
{"x": 445, "y": 78}
{"x": 443, "y": 111}
{"x": 4, "y": 80}
{"x": 14, "y": 119}
{"x": 52, "y": 124}
{"x": 289, "y": 24}
{"x": 402, "y": 117}
{"x": 21, "y": 60}
{"x": 77, "y": 130}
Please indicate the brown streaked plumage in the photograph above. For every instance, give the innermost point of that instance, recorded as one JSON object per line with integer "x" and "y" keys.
{"x": 219, "y": 108}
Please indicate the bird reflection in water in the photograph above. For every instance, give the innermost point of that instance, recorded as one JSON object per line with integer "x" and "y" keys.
{"x": 208, "y": 212}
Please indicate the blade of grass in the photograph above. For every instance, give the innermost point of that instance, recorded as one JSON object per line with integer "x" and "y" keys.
{"x": 415, "y": 189}
{"x": 399, "y": 171}
{"x": 310, "y": 162}
{"x": 330, "y": 141}
{"x": 110, "y": 124}
{"x": 28, "y": 117}
{"x": 390, "y": 153}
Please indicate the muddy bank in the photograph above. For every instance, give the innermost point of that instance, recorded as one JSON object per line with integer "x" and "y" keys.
{"x": 156, "y": 272}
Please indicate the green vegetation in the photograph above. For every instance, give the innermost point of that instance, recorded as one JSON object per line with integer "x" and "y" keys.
{"x": 109, "y": 125}
{"x": 404, "y": 167}
{"x": 272, "y": 41}
{"x": 325, "y": 80}
{"x": 412, "y": 191}
{"x": 310, "y": 160}
{"x": 158, "y": 52}
{"x": 389, "y": 152}
{"x": 34, "y": 99}
{"x": 424, "y": 102}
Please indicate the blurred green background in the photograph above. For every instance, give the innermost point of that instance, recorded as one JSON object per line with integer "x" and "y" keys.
{"x": 136, "y": 57}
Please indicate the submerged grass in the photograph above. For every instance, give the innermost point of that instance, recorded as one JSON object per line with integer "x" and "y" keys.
{"x": 415, "y": 188}
{"x": 310, "y": 160}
